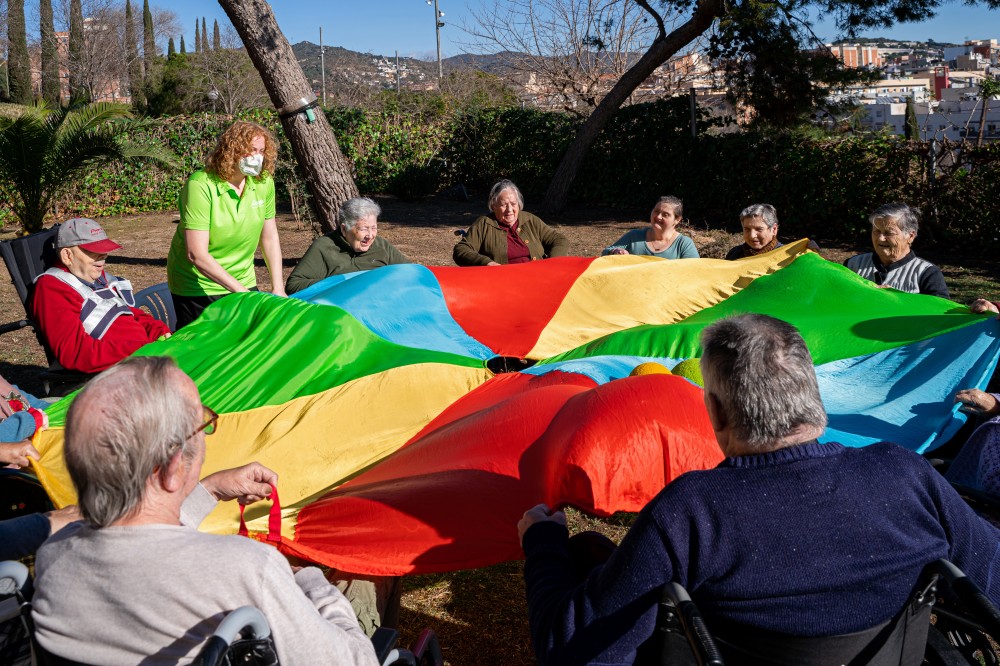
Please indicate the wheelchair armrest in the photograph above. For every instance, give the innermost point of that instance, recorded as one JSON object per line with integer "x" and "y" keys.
{"x": 14, "y": 326}
{"x": 384, "y": 640}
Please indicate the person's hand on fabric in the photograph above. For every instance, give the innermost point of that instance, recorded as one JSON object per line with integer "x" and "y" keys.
{"x": 981, "y": 305}
{"x": 618, "y": 250}
{"x": 493, "y": 263}
{"x": 247, "y": 484}
{"x": 60, "y": 518}
{"x": 18, "y": 454}
{"x": 279, "y": 291}
{"x": 6, "y": 389}
{"x": 538, "y": 514}
{"x": 978, "y": 402}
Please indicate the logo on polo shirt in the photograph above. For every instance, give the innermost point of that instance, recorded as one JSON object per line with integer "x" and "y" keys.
{"x": 258, "y": 203}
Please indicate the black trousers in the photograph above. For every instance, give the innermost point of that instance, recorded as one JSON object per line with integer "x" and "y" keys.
{"x": 187, "y": 308}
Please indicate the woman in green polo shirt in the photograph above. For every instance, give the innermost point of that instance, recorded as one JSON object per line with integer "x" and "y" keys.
{"x": 227, "y": 210}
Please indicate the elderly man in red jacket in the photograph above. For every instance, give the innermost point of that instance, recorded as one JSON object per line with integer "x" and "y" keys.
{"x": 87, "y": 316}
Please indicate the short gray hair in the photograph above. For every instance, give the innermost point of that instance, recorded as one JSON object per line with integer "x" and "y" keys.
{"x": 674, "y": 202}
{"x": 500, "y": 187}
{"x": 125, "y": 423}
{"x": 765, "y": 212}
{"x": 356, "y": 209}
{"x": 762, "y": 374}
{"x": 907, "y": 218}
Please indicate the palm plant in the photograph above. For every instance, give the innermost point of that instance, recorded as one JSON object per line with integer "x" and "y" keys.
{"x": 43, "y": 151}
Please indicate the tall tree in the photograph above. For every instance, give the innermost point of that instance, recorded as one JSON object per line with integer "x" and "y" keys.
{"x": 204, "y": 34}
{"x": 183, "y": 48}
{"x": 135, "y": 85}
{"x": 911, "y": 127}
{"x": 18, "y": 64}
{"x": 216, "y": 37}
{"x": 77, "y": 50}
{"x": 171, "y": 50}
{"x": 148, "y": 42}
{"x": 764, "y": 50}
{"x": 327, "y": 171}
{"x": 989, "y": 88}
{"x": 197, "y": 37}
{"x": 51, "y": 86}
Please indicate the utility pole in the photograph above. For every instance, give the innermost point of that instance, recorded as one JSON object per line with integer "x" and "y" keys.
{"x": 322, "y": 64}
{"x": 438, "y": 24}
{"x": 397, "y": 72}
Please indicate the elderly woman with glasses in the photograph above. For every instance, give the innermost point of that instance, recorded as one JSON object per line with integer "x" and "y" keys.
{"x": 354, "y": 246}
{"x": 893, "y": 263}
{"x": 508, "y": 235}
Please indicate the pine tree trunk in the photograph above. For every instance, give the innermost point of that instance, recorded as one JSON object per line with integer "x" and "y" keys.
{"x": 51, "y": 86}
{"x": 18, "y": 63}
{"x": 706, "y": 11}
{"x": 328, "y": 173}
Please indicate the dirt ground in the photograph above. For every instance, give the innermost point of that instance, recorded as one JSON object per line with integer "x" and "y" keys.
{"x": 480, "y": 615}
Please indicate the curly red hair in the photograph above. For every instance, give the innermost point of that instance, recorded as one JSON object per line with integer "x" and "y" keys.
{"x": 235, "y": 144}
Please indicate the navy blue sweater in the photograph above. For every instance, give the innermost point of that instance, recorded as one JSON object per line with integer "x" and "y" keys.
{"x": 810, "y": 540}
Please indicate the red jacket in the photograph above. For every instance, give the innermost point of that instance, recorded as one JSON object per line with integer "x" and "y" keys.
{"x": 56, "y": 310}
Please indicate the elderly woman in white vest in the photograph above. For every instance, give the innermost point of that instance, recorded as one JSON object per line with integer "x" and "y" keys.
{"x": 893, "y": 263}
{"x": 87, "y": 317}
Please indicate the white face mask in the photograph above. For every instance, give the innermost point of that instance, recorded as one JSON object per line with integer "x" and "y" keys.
{"x": 251, "y": 166}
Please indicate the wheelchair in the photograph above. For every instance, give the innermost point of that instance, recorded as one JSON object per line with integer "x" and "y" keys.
{"x": 957, "y": 634}
{"x": 243, "y": 637}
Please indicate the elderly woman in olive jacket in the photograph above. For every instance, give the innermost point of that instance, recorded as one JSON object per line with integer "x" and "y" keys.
{"x": 508, "y": 235}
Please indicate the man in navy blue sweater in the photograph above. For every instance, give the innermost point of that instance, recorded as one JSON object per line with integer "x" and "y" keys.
{"x": 786, "y": 534}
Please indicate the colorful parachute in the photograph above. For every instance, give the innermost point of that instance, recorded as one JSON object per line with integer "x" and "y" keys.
{"x": 400, "y": 451}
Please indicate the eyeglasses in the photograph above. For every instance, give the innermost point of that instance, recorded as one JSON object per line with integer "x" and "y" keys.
{"x": 209, "y": 423}
{"x": 365, "y": 230}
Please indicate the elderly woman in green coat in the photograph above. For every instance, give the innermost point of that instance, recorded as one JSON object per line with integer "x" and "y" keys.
{"x": 508, "y": 235}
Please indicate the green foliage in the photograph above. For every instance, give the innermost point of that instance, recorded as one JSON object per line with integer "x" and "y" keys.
{"x": 414, "y": 146}
{"x": 43, "y": 151}
{"x": 18, "y": 65}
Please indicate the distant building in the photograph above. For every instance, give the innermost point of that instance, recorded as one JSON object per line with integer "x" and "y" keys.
{"x": 856, "y": 55}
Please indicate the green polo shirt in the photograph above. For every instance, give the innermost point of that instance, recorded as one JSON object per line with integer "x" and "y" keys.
{"x": 233, "y": 223}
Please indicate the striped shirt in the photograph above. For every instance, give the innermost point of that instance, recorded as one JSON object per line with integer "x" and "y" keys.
{"x": 910, "y": 274}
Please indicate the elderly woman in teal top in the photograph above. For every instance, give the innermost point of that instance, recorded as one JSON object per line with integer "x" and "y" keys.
{"x": 227, "y": 210}
{"x": 661, "y": 238}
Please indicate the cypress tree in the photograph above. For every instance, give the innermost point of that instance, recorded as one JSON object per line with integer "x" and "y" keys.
{"x": 148, "y": 40}
{"x": 170, "y": 47}
{"x": 18, "y": 65}
{"x": 197, "y": 37}
{"x": 204, "y": 34}
{"x": 77, "y": 93}
{"x": 134, "y": 65}
{"x": 216, "y": 37}
{"x": 911, "y": 129}
{"x": 51, "y": 86}
{"x": 183, "y": 48}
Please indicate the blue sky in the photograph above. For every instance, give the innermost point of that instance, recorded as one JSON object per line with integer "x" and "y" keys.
{"x": 383, "y": 26}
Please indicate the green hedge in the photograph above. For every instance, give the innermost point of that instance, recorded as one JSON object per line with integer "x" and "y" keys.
{"x": 821, "y": 187}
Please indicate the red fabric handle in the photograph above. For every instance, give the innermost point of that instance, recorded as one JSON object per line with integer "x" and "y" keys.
{"x": 273, "y": 520}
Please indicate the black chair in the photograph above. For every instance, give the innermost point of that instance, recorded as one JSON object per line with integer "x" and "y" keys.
{"x": 964, "y": 617}
{"x": 160, "y": 304}
{"x": 26, "y": 258}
